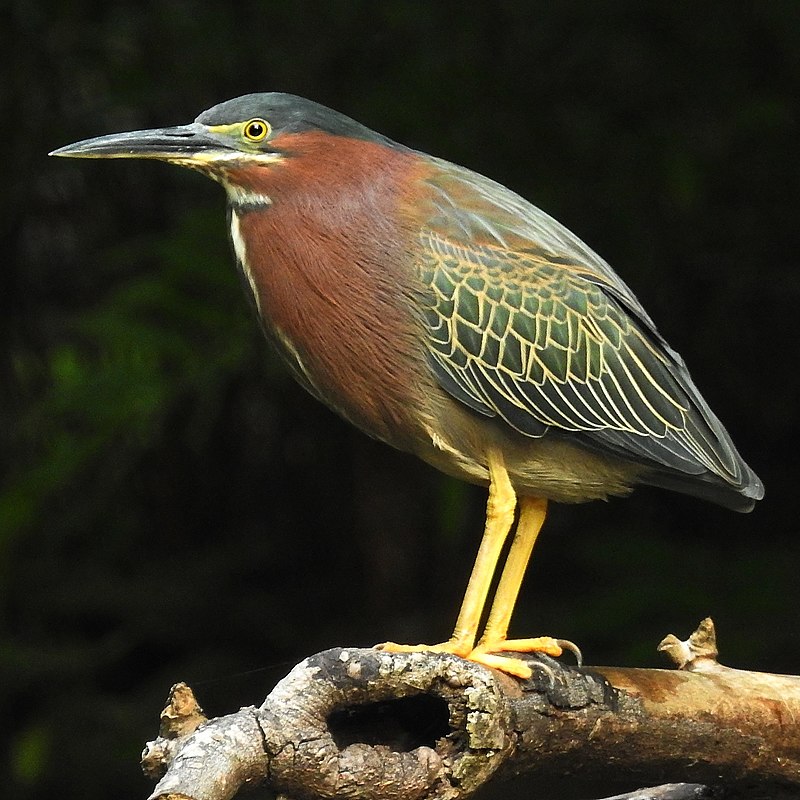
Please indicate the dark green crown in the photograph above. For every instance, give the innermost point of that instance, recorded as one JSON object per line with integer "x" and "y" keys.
{"x": 287, "y": 113}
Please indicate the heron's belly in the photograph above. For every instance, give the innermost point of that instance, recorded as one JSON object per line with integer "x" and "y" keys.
{"x": 458, "y": 440}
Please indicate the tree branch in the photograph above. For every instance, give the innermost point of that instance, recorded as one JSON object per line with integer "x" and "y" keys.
{"x": 371, "y": 725}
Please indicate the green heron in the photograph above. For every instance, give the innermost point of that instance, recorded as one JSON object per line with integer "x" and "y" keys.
{"x": 445, "y": 315}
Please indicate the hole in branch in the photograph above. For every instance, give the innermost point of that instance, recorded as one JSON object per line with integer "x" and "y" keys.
{"x": 401, "y": 725}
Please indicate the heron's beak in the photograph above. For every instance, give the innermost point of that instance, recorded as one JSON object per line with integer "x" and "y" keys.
{"x": 192, "y": 145}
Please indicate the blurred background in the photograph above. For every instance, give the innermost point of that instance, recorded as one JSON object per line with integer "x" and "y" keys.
{"x": 173, "y": 507}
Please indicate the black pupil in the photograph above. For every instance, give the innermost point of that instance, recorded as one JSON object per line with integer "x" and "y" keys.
{"x": 256, "y": 129}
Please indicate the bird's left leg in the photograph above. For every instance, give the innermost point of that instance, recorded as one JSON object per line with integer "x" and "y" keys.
{"x": 499, "y": 519}
{"x": 531, "y": 518}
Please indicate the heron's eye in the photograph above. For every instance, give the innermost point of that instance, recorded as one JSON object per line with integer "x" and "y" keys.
{"x": 256, "y": 129}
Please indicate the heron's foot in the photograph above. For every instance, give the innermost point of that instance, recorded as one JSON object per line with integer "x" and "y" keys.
{"x": 485, "y": 652}
{"x": 479, "y": 655}
{"x": 454, "y": 646}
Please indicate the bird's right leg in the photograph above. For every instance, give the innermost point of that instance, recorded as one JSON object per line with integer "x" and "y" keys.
{"x": 499, "y": 519}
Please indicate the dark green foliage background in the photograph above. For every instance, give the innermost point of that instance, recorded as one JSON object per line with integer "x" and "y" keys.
{"x": 173, "y": 507}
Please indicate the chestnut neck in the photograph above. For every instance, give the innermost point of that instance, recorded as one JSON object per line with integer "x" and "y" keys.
{"x": 328, "y": 255}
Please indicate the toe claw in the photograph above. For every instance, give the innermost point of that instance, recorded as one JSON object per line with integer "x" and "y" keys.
{"x": 540, "y": 665}
{"x": 566, "y": 644}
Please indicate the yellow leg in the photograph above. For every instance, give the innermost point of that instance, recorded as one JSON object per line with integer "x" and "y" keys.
{"x": 531, "y": 518}
{"x": 499, "y": 519}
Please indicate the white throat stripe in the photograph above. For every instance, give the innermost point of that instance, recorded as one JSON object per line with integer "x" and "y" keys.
{"x": 241, "y": 256}
{"x": 243, "y": 198}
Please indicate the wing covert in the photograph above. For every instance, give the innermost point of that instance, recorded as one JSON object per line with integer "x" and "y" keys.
{"x": 520, "y": 336}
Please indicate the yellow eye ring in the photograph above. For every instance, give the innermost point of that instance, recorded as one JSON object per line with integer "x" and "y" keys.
{"x": 255, "y": 130}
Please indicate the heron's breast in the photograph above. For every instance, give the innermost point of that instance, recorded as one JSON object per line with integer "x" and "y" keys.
{"x": 333, "y": 277}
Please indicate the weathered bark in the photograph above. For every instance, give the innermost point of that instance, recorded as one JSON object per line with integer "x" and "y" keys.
{"x": 372, "y": 725}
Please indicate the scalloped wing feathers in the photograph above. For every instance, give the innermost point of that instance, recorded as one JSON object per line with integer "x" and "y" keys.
{"x": 527, "y": 323}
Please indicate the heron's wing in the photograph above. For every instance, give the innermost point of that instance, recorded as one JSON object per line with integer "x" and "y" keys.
{"x": 527, "y": 323}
